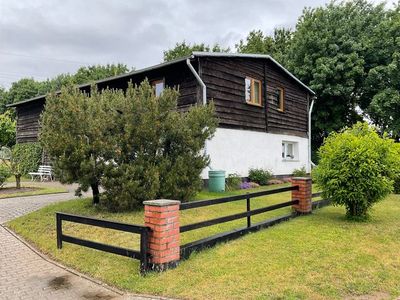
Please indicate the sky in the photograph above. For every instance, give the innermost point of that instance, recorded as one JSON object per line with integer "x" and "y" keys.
{"x": 43, "y": 38}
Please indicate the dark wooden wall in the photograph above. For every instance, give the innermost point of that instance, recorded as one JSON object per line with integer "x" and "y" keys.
{"x": 176, "y": 76}
{"x": 224, "y": 78}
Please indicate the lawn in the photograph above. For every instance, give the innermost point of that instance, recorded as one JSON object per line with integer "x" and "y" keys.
{"x": 29, "y": 189}
{"x": 320, "y": 256}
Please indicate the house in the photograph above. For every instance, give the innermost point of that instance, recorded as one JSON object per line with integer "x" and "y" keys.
{"x": 261, "y": 107}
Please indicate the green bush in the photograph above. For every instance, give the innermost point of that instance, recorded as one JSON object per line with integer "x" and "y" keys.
{"x": 28, "y": 155}
{"x": 356, "y": 169}
{"x": 300, "y": 172}
{"x": 7, "y": 129}
{"x": 4, "y": 174}
{"x": 397, "y": 177}
{"x": 233, "y": 182}
{"x": 260, "y": 176}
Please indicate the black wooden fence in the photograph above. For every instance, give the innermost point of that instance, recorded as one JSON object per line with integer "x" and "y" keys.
{"x": 141, "y": 255}
{"x": 187, "y": 249}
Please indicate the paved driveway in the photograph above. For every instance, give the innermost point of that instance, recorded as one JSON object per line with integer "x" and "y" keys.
{"x": 24, "y": 274}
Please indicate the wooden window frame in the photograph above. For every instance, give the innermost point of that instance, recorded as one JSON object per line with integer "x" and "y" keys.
{"x": 154, "y": 82}
{"x": 252, "y": 100}
{"x": 281, "y": 102}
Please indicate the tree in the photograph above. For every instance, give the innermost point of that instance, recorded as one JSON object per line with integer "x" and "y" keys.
{"x": 277, "y": 45}
{"x": 159, "y": 154}
{"x": 74, "y": 127}
{"x": 7, "y": 129}
{"x": 332, "y": 50}
{"x": 23, "y": 89}
{"x": 12, "y": 163}
{"x": 357, "y": 168}
{"x": 183, "y": 49}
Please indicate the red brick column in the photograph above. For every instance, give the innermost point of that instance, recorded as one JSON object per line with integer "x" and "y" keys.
{"x": 303, "y": 194}
{"x": 162, "y": 216}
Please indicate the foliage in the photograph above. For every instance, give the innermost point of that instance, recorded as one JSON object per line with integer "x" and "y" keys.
{"x": 7, "y": 129}
{"x": 301, "y": 172}
{"x": 260, "y": 176}
{"x": 74, "y": 134}
{"x": 26, "y": 88}
{"x": 28, "y": 155}
{"x": 136, "y": 145}
{"x": 357, "y": 168}
{"x": 159, "y": 155}
{"x": 183, "y": 49}
{"x": 4, "y": 174}
{"x": 396, "y": 188}
{"x": 13, "y": 163}
{"x": 233, "y": 181}
{"x": 277, "y": 45}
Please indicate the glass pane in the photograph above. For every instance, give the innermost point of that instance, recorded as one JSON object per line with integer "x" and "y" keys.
{"x": 256, "y": 98}
{"x": 159, "y": 86}
{"x": 247, "y": 82}
{"x": 289, "y": 151}
{"x": 283, "y": 150}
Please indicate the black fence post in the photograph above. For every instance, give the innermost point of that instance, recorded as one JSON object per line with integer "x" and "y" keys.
{"x": 144, "y": 260}
{"x": 248, "y": 210}
{"x": 59, "y": 230}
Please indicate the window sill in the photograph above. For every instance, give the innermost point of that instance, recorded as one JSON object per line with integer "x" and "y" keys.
{"x": 290, "y": 160}
{"x": 281, "y": 110}
{"x": 253, "y": 104}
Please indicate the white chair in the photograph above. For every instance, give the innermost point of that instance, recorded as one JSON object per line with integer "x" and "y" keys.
{"x": 44, "y": 172}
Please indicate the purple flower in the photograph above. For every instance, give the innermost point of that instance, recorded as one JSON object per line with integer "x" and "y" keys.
{"x": 245, "y": 185}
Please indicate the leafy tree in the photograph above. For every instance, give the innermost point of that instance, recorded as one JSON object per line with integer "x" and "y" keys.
{"x": 357, "y": 168}
{"x": 12, "y": 163}
{"x": 332, "y": 50}
{"x": 7, "y": 129}
{"x": 97, "y": 72}
{"x": 159, "y": 154}
{"x": 23, "y": 89}
{"x": 74, "y": 127}
{"x": 184, "y": 49}
{"x": 277, "y": 45}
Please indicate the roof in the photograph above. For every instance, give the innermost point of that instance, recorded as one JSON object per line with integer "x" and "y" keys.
{"x": 193, "y": 55}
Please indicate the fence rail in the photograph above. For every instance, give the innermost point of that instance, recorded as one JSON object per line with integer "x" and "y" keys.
{"x": 143, "y": 231}
{"x": 187, "y": 249}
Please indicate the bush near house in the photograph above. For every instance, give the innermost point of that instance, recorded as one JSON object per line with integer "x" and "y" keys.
{"x": 4, "y": 174}
{"x": 28, "y": 155}
{"x": 135, "y": 145}
{"x": 301, "y": 172}
{"x": 357, "y": 168}
{"x": 233, "y": 182}
{"x": 260, "y": 176}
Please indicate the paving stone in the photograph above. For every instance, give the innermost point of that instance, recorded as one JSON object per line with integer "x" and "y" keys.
{"x": 26, "y": 275}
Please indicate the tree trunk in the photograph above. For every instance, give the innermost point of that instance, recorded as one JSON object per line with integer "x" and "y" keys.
{"x": 96, "y": 193}
{"x": 18, "y": 181}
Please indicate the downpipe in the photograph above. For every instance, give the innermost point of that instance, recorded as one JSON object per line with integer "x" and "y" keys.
{"x": 204, "y": 93}
{"x": 309, "y": 133}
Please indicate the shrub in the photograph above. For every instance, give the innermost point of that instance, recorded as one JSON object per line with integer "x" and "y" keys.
{"x": 7, "y": 129}
{"x": 397, "y": 177}
{"x": 4, "y": 174}
{"x": 300, "y": 172}
{"x": 356, "y": 169}
{"x": 233, "y": 182}
{"x": 28, "y": 155}
{"x": 260, "y": 176}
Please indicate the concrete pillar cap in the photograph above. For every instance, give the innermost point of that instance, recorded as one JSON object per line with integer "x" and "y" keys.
{"x": 161, "y": 202}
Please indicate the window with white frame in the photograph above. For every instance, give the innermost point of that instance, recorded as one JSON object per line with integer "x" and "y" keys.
{"x": 289, "y": 150}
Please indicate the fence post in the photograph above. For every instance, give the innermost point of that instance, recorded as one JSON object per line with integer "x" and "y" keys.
{"x": 303, "y": 194}
{"x": 162, "y": 216}
{"x": 59, "y": 230}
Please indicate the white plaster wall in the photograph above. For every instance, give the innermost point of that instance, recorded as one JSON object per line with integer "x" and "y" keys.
{"x": 236, "y": 151}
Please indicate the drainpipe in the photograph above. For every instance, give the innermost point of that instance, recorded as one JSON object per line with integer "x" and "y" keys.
{"x": 309, "y": 133}
{"x": 203, "y": 86}
{"x": 204, "y": 90}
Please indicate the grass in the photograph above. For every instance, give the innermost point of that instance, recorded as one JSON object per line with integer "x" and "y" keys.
{"x": 320, "y": 256}
{"x": 38, "y": 190}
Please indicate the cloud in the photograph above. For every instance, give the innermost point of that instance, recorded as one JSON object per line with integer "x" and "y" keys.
{"x": 44, "y": 38}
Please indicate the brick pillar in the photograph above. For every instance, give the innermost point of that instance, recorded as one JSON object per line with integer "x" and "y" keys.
{"x": 303, "y": 194}
{"x": 162, "y": 216}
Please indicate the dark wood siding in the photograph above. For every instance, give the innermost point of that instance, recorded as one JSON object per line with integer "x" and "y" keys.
{"x": 224, "y": 78}
{"x": 28, "y": 121}
{"x": 176, "y": 76}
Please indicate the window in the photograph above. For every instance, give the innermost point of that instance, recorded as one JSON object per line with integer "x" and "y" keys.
{"x": 158, "y": 86}
{"x": 289, "y": 150}
{"x": 253, "y": 91}
{"x": 280, "y": 98}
